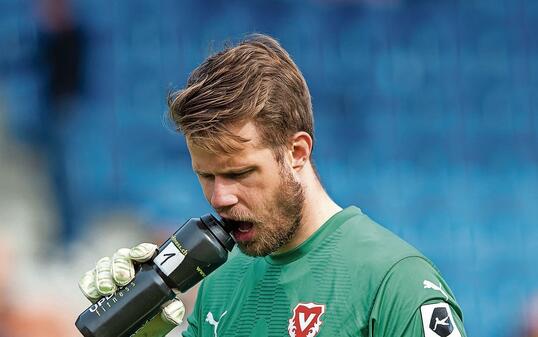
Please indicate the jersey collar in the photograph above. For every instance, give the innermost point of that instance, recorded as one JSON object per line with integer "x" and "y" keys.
{"x": 315, "y": 239}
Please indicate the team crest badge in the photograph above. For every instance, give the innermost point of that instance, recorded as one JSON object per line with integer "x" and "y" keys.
{"x": 306, "y": 320}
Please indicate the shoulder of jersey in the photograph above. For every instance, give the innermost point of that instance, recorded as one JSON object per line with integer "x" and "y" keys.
{"x": 237, "y": 262}
{"x": 367, "y": 243}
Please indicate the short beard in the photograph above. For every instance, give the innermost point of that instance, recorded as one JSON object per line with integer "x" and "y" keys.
{"x": 286, "y": 214}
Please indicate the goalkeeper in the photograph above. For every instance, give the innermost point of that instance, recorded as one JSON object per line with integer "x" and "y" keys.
{"x": 305, "y": 266}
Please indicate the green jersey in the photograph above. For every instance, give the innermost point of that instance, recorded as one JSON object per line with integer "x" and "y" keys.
{"x": 352, "y": 277}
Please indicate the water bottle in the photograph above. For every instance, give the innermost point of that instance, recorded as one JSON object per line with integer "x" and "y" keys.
{"x": 196, "y": 249}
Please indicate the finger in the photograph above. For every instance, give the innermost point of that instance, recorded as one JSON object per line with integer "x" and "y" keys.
{"x": 143, "y": 252}
{"x": 88, "y": 287}
{"x": 122, "y": 267}
{"x": 173, "y": 311}
{"x": 103, "y": 277}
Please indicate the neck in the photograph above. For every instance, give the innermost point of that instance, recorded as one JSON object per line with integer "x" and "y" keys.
{"x": 317, "y": 209}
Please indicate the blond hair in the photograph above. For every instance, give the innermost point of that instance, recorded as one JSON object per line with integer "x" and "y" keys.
{"x": 253, "y": 81}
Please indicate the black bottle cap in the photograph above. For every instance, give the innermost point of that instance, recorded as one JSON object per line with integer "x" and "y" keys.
{"x": 216, "y": 227}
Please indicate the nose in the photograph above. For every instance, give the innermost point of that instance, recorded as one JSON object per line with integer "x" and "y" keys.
{"x": 223, "y": 194}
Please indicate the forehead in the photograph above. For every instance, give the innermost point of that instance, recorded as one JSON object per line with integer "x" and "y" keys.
{"x": 205, "y": 160}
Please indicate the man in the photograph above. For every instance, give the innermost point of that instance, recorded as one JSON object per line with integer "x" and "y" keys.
{"x": 306, "y": 267}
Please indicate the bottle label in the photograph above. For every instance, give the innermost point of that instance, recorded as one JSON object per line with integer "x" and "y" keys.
{"x": 169, "y": 259}
{"x": 108, "y": 301}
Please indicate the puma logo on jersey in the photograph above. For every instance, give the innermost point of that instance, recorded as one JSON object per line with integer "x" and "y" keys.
{"x": 211, "y": 320}
{"x": 306, "y": 320}
{"x": 431, "y": 285}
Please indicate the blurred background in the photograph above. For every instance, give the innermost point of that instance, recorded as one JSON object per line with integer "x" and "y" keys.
{"x": 426, "y": 117}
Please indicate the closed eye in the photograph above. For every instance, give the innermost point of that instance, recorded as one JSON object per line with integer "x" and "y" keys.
{"x": 238, "y": 175}
{"x": 230, "y": 175}
{"x": 205, "y": 175}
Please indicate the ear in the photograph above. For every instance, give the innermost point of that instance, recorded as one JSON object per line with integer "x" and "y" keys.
{"x": 301, "y": 149}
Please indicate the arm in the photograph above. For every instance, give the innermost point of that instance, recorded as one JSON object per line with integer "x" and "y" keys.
{"x": 412, "y": 295}
{"x": 434, "y": 319}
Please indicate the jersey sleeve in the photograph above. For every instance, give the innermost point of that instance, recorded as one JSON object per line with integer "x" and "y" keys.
{"x": 413, "y": 300}
{"x": 193, "y": 329}
{"x": 427, "y": 322}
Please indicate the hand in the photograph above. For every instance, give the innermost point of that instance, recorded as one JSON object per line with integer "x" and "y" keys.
{"x": 118, "y": 271}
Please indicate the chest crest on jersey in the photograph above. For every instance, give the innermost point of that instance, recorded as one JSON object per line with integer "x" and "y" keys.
{"x": 306, "y": 320}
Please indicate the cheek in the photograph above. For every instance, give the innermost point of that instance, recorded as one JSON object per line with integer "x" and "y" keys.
{"x": 263, "y": 195}
{"x": 253, "y": 196}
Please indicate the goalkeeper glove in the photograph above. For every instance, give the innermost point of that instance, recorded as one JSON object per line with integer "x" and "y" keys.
{"x": 118, "y": 271}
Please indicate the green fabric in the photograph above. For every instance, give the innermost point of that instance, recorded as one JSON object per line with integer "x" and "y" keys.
{"x": 395, "y": 313}
{"x": 415, "y": 329}
{"x": 369, "y": 280}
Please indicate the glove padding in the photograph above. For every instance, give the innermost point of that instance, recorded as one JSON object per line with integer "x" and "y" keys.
{"x": 118, "y": 271}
